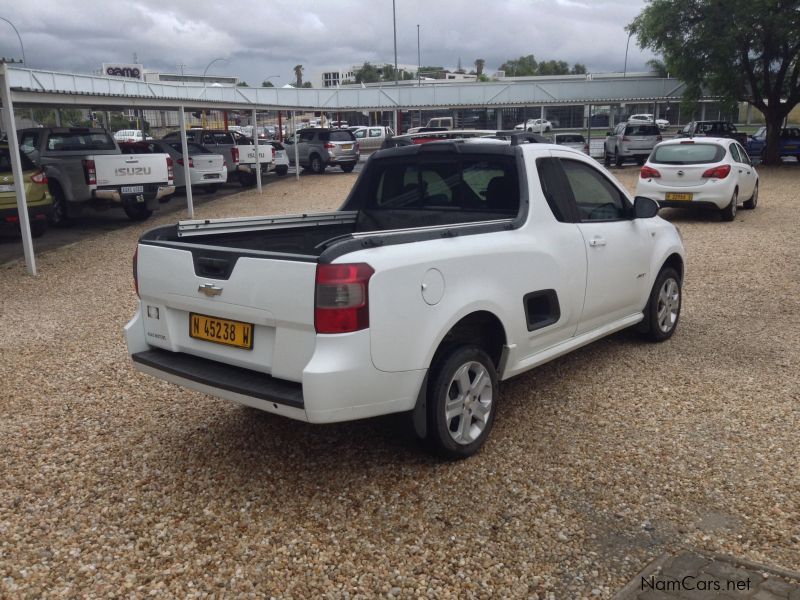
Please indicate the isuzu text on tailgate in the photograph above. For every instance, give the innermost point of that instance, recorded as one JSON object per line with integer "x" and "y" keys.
{"x": 451, "y": 266}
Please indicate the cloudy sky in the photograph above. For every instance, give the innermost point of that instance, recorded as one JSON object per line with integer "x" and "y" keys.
{"x": 260, "y": 39}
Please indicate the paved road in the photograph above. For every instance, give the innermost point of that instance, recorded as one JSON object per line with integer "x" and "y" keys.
{"x": 91, "y": 223}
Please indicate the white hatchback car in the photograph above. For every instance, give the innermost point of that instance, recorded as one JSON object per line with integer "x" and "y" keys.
{"x": 701, "y": 172}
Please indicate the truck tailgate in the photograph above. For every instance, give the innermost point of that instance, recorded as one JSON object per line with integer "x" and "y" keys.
{"x": 259, "y": 311}
{"x": 247, "y": 154}
{"x": 127, "y": 169}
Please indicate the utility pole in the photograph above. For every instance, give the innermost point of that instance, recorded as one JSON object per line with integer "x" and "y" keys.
{"x": 419, "y": 60}
{"x": 394, "y": 22}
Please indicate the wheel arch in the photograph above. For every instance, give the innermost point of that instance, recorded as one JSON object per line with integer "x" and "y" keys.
{"x": 674, "y": 261}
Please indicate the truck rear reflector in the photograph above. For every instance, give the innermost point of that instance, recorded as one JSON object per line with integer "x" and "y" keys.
{"x": 342, "y": 303}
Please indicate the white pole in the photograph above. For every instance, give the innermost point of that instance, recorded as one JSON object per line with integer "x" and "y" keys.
{"x": 255, "y": 145}
{"x": 296, "y": 151}
{"x": 187, "y": 174}
{"x": 16, "y": 169}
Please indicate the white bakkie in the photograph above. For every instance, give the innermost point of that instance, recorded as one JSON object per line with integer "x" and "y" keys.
{"x": 450, "y": 266}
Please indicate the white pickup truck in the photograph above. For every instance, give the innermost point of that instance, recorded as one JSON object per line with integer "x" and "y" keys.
{"x": 450, "y": 266}
{"x": 86, "y": 167}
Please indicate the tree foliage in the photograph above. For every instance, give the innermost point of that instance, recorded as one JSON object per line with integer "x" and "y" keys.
{"x": 480, "y": 63}
{"x": 738, "y": 49}
{"x": 298, "y": 75}
{"x": 526, "y": 66}
{"x": 266, "y": 83}
{"x": 369, "y": 73}
{"x": 242, "y": 84}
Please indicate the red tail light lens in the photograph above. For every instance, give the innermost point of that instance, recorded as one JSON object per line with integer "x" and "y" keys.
{"x": 330, "y": 146}
{"x": 720, "y": 172}
{"x": 39, "y": 177}
{"x": 136, "y": 270}
{"x": 342, "y": 305}
{"x": 191, "y": 162}
{"x": 648, "y": 172}
{"x": 235, "y": 155}
{"x": 171, "y": 168}
{"x": 89, "y": 172}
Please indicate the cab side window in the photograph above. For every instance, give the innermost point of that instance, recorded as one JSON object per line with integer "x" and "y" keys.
{"x": 595, "y": 197}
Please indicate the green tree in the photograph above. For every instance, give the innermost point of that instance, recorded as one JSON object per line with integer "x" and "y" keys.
{"x": 432, "y": 72}
{"x": 578, "y": 69}
{"x": 739, "y": 49}
{"x": 521, "y": 67}
{"x": 72, "y": 117}
{"x": 298, "y": 75}
{"x": 480, "y": 63}
{"x": 657, "y": 66}
{"x": 367, "y": 74}
{"x": 266, "y": 83}
{"x": 306, "y": 84}
{"x": 553, "y": 67}
{"x": 242, "y": 84}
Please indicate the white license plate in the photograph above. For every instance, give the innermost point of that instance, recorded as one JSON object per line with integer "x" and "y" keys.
{"x": 212, "y": 176}
{"x": 7, "y": 188}
{"x": 132, "y": 189}
{"x": 347, "y": 146}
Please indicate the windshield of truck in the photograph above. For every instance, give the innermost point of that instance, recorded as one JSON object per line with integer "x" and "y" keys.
{"x": 80, "y": 141}
{"x": 194, "y": 149}
{"x": 472, "y": 184}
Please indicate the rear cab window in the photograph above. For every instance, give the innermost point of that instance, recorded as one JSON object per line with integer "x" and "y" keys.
{"x": 80, "y": 141}
{"x": 642, "y": 130}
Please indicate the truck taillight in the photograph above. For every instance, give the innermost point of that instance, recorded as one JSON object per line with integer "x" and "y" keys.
{"x": 235, "y": 156}
{"x": 341, "y": 304}
{"x": 39, "y": 177}
{"x": 330, "y": 146}
{"x": 171, "y": 168}
{"x": 720, "y": 172}
{"x": 89, "y": 172}
{"x": 136, "y": 270}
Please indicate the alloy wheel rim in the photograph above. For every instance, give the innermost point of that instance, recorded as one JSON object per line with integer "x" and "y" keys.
{"x": 468, "y": 403}
{"x": 669, "y": 304}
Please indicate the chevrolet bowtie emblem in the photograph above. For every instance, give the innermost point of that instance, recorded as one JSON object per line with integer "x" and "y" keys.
{"x": 209, "y": 289}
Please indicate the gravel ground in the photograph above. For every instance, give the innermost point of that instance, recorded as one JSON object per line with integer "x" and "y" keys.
{"x": 114, "y": 484}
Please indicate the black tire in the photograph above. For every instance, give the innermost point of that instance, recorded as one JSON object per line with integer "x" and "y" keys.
{"x": 247, "y": 179}
{"x": 348, "y": 168}
{"x": 59, "y": 212}
{"x": 480, "y": 409}
{"x": 282, "y": 170}
{"x": 38, "y": 227}
{"x": 137, "y": 211}
{"x": 729, "y": 212}
{"x": 640, "y": 160}
{"x": 212, "y": 189}
{"x": 659, "y": 327}
{"x": 546, "y": 129}
{"x": 316, "y": 165}
{"x": 753, "y": 201}
{"x": 530, "y": 129}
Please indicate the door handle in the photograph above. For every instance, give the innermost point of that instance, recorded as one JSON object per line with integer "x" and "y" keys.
{"x": 597, "y": 241}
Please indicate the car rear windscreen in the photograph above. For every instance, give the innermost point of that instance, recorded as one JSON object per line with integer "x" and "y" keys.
{"x": 570, "y": 139}
{"x": 642, "y": 130}
{"x": 5, "y": 160}
{"x": 341, "y": 136}
{"x": 687, "y": 154}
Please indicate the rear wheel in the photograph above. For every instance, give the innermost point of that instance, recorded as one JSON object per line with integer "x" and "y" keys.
{"x": 212, "y": 189}
{"x": 462, "y": 397}
{"x": 348, "y": 168}
{"x": 247, "y": 179}
{"x": 729, "y": 212}
{"x": 136, "y": 211}
{"x": 38, "y": 227}
{"x": 663, "y": 308}
{"x": 753, "y": 201}
{"x": 281, "y": 170}
{"x": 316, "y": 165}
{"x": 59, "y": 213}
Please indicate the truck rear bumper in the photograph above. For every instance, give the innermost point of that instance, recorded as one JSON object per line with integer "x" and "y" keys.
{"x": 117, "y": 196}
{"x": 339, "y": 383}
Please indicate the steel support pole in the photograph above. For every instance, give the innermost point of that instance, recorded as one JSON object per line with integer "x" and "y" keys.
{"x": 296, "y": 151}
{"x": 187, "y": 176}
{"x": 255, "y": 147}
{"x": 16, "y": 169}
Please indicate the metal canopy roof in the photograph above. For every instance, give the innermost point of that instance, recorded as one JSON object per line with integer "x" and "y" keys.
{"x": 32, "y": 86}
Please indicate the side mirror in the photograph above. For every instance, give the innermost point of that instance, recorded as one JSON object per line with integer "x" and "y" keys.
{"x": 645, "y": 208}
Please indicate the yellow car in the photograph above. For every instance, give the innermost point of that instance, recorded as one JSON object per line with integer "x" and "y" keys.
{"x": 39, "y": 199}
